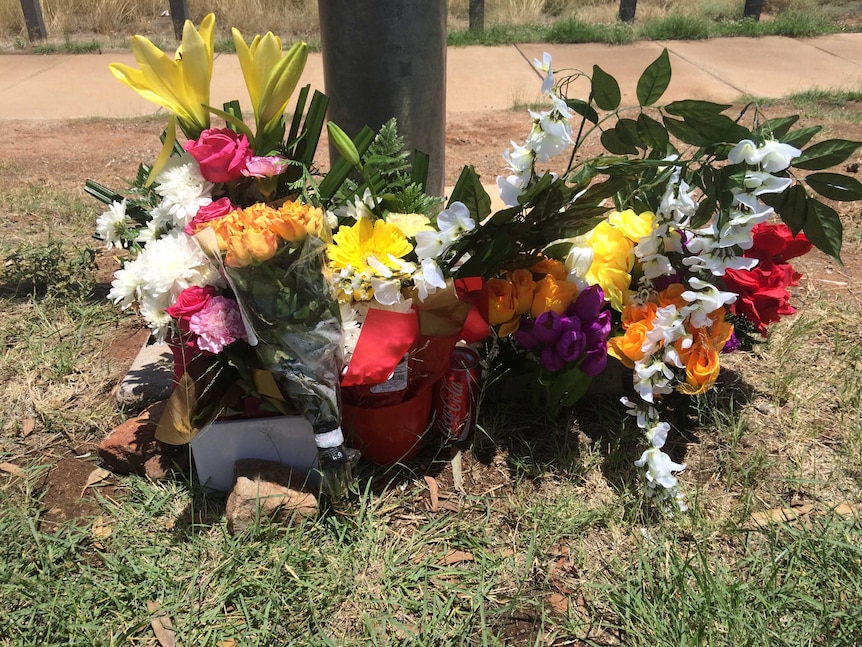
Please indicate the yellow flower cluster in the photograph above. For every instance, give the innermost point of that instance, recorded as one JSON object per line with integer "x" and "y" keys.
{"x": 613, "y": 241}
{"x": 253, "y": 234}
{"x": 519, "y": 293}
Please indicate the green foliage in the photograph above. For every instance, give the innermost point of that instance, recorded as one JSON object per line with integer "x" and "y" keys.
{"x": 575, "y": 31}
{"x": 385, "y": 163}
{"x": 53, "y": 268}
{"x": 676, "y": 27}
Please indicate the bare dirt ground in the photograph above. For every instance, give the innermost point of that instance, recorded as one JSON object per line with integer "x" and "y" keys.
{"x": 64, "y": 154}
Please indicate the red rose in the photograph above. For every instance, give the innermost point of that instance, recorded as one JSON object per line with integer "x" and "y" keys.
{"x": 213, "y": 211}
{"x": 762, "y": 292}
{"x": 191, "y": 301}
{"x": 221, "y": 153}
{"x": 777, "y": 242}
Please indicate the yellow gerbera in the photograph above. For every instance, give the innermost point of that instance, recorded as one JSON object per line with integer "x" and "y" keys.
{"x": 380, "y": 240}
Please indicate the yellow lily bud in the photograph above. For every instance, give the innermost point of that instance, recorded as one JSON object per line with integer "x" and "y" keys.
{"x": 344, "y": 144}
{"x": 270, "y": 76}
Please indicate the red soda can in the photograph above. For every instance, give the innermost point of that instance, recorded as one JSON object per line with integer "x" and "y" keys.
{"x": 456, "y": 397}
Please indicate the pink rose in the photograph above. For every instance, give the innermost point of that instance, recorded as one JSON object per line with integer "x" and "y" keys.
{"x": 221, "y": 153}
{"x": 213, "y": 211}
{"x": 265, "y": 166}
{"x": 191, "y": 301}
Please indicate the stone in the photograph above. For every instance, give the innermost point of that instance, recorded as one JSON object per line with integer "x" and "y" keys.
{"x": 132, "y": 448}
{"x": 265, "y": 491}
{"x": 150, "y": 379}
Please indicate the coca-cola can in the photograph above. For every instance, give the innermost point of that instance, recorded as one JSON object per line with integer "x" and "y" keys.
{"x": 456, "y": 397}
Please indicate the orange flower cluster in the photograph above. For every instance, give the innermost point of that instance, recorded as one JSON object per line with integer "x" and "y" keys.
{"x": 701, "y": 358}
{"x": 253, "y": 234}
{"x": 519, "y": 293}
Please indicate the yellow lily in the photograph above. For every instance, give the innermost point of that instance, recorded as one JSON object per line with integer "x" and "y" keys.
{"x": 180, "y": 84}
{"x": 271, "y": 78}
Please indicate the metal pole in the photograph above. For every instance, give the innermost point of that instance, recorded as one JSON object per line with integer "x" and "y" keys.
{"x": 387, "y": 59}
{"x": 752, "y": 9}
{"x": 477, "y": 15}
{"x": 627, "y": 10}
{"x": 33, "y": 19}
{"x": 179, "y": 15}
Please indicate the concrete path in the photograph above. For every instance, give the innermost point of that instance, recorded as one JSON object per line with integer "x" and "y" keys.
{"x": 478, "y": 78}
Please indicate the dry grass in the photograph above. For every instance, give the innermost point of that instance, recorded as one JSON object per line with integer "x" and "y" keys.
{"x": 113, "y": 21}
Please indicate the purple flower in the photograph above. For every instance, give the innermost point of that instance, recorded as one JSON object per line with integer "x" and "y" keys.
{"x": 588, "y": 304}
{"x": 548, "y": 327}
{"x": 732, "y": 344}
{"x": 524, "y": 334}
{"x": 598, "y": 330}
{"x": 570, "y": 345}
{"x": 551, "y": 359}
{"x": 663, "y": 282}
{"x": 217, "y": 325}
{"x": 595, "y": 360}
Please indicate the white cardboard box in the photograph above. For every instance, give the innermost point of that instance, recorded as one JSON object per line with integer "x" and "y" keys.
{"x": 283, "y": 439}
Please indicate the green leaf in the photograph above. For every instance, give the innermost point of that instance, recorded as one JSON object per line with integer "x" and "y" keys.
{"x": 823, "y": 228}
{"x": 801, "y": 136}
{"x": 654, "y": 80}
{"x": 488, "y": 259}
{"x": 653, "y": 133}
{"x": 627, "y": 129}
{"x": 777, "y": 127}
{"x": 826, "y": 154}
{"x": 235, "y": 123}
{"x": 419, "y": 171}
{"x": 605, "y": 89}
{"x": 791, "y": 205}
{"x": 692, "y": 108}
{"x": 835, "y": 186}
{"x": 706, "y": 129}
{"x": 584, "y": 109}
{"x": 613, "y": 143}
{"x": 469, "y": 190}
{"x": 312, "y": 126}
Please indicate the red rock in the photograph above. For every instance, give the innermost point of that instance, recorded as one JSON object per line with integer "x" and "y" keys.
{"x": 132, "y": 448}
{"x": 265, "y": 491}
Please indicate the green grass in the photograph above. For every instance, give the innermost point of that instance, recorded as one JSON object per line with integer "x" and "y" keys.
{"x": 69, "y": 47}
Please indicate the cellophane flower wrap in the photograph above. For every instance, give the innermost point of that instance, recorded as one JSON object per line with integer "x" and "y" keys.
{"x": 274, "y": 261}
{"x": 671, "y": 237}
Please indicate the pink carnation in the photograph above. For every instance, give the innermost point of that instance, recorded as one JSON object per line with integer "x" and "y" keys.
{"x": 217, "y": 325}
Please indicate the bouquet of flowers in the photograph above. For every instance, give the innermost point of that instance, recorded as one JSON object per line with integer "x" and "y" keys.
{"x": 227, "y": 243}
{"x": 654, "y": 252}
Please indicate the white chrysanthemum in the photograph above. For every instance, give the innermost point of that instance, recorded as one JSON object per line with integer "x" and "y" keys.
{"x": 127, "y": 284}
{"x": 112, "y": 224}
{"x": 153, "y": 310}
{"x": 174, "y": 263}
{"x": 183, "y": 189}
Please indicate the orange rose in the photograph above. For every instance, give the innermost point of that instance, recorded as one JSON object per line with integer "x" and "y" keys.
{"x": 552, "y": 295}
{"x": 551, "y": 266}
{"x": 627, "y": 347}
{"x": 524, "y": 286}
{"x": 672, "y": 295}
{"x": 635, "y": 312}
{"x": 701, "y": 368}
{"x": 501, "y": 301}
